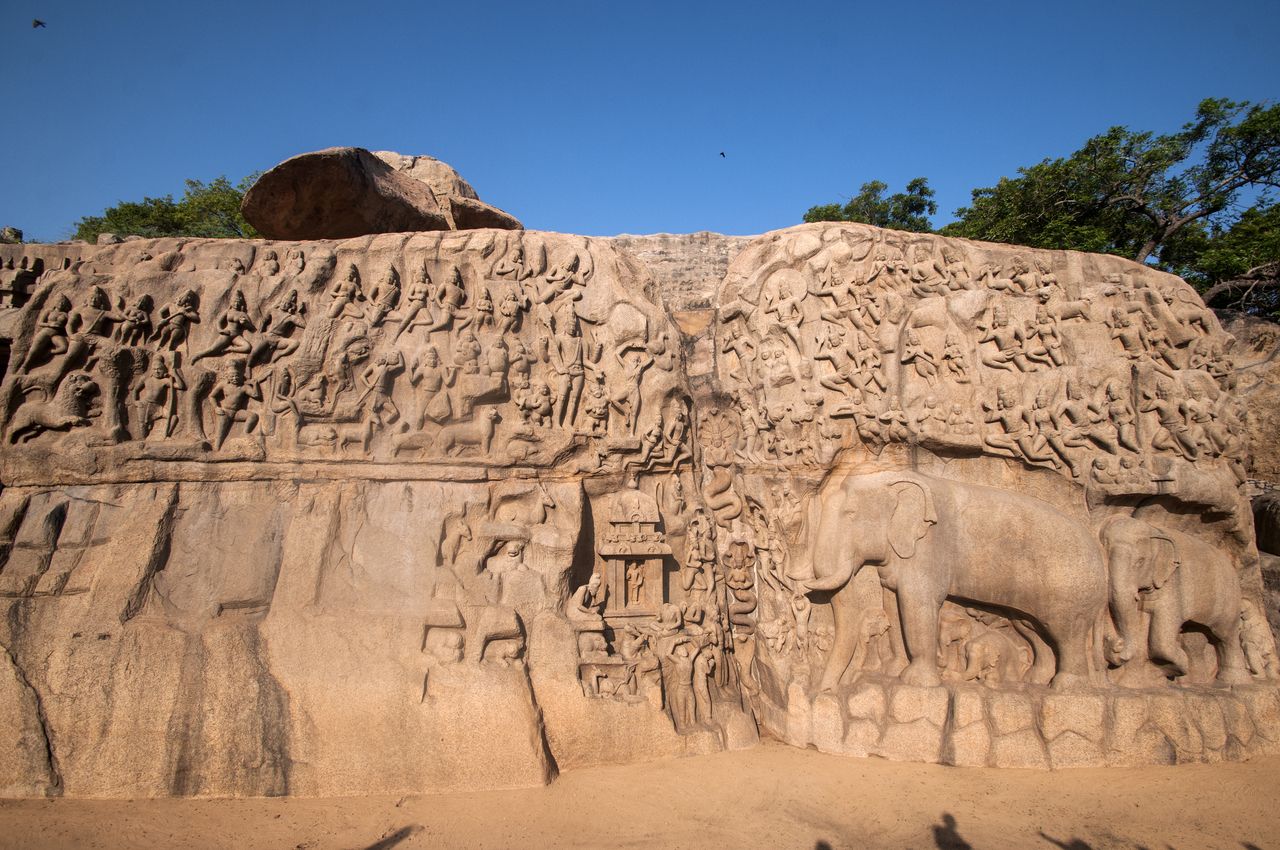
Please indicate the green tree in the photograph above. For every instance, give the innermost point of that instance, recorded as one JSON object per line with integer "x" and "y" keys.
{"x": 1136, "y": 194}
{"x": 210, "y": 210}
{"x": 1236, "y": 266}
{"x": 909, "y": 210}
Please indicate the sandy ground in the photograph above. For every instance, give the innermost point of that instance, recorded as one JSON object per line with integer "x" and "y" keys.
{"x": 772, "y": 796}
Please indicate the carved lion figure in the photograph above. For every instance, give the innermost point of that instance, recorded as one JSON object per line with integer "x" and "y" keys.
{"x": 70, "y": 407}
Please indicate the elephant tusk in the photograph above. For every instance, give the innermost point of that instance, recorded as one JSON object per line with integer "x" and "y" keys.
{"x": 828, "y": 583}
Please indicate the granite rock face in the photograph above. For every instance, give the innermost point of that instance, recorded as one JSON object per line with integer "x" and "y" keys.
{"x": 1254, "y": 350}
{"x": 340, "y": 193}
{"x": 444, "y": 510}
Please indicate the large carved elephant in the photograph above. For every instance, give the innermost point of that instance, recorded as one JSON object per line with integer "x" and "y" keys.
{"x": 931, "y": 539}
{"x": 1177, "y": 579}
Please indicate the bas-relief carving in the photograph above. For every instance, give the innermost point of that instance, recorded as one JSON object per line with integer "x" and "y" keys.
{"x": 533, "y": 362}
{"x": 921, "y": 467}
{"x": 981, "y": 466}
{"x": 485, "y": 356}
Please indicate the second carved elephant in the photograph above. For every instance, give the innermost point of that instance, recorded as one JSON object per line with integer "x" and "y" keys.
{"x": 1176, "y": 579}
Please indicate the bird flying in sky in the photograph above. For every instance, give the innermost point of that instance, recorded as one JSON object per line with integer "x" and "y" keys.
{"x": 36, "y": 23}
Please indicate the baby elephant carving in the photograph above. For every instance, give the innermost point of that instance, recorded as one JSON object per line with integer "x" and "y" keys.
{"x": 995, "y": 656}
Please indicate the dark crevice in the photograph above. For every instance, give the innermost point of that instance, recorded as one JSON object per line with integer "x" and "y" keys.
{"x": 55, "y": 775}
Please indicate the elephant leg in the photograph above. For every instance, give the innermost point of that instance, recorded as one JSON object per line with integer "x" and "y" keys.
{"x": 919, "y": 607}
{"x": 845, "y": 640}
{"x": 1072, "y": 641}
{"x": 1166, "y": 625}
{"x": 893, "y": 651}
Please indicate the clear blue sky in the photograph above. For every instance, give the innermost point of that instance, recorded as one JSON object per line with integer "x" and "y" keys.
{"x": 602, "y": 117}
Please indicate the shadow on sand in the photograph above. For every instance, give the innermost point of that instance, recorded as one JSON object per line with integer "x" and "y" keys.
{"x": 386, "y": 842}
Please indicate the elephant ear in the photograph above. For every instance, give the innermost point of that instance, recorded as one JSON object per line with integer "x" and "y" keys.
{"x": 1164, "y": 568}
{"x": 912, "y": 516}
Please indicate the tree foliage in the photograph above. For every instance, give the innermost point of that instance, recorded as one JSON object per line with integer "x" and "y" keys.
{"x": 909, "y": 210}
{"x": 1135, "y": 193}
{"x": 1237, "y": 266}
{"x": 210, "y": 210}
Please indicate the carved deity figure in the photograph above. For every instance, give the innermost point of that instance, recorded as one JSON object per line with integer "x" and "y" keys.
{"x": 295, "y": 262}
{"x": 233, "y": 325}
{"x": 596, "y": 407}
{"x": 697, "y": 574}
{"x": 1122, "y": 416}
{"x": 432, "y": 380}
{"x": 634, "y": 574}
{"x": 416, "y": 300}
{"x": 279, "y": 326}
{"x": 176, "y": 321}
{"x": 50, "y": 338}
{"x": 512, "y": 266}
{"x": 384, "y": 298}
{"x": 1047, "y": 432}
{"x": 1081, "y": 422}
{"x": 956, "y": 270}
{"x": 735, "y": 339}
{"x": 509, "y": 311}
{"x": 449, "y": 298}
{"x": 567, "y": 357}
{"x": 345, "y": 293}
{"x": 787, "y": 310}
{"x": 1010, "y": 343}
{"x": 231, "y": 398}
{"x": 960, "y": 421}
{"x": 268, "y": 264}
{"x": 136, "y": 327}
{"x": 379, "y": 379}
{"x": 155, "y": 399}
{"x": 1016, "y": 434}
{"x": 97, "y": 317}
{"x": 1044, "y": 344}
{"x": 956, "y": 360}
{"x": 1172, "y": 433}
{"x": 1132, "y": 338}
{"x": 930, "y": 420}
{"x": 915, "y": 354}
{"x": 928, "y": 275}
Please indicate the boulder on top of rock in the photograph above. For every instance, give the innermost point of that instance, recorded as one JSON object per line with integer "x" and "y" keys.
{"x": 339, "y": 193}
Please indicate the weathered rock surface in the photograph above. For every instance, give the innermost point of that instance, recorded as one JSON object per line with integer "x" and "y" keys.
{"x": 1255, "y": 352}
{"x": 427, "y": 511}
{"x": 339, "y": 193}
{"x": 687, "y": 267}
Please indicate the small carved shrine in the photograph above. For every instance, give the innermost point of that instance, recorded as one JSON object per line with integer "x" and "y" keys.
{"x": 634, "y": 552}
